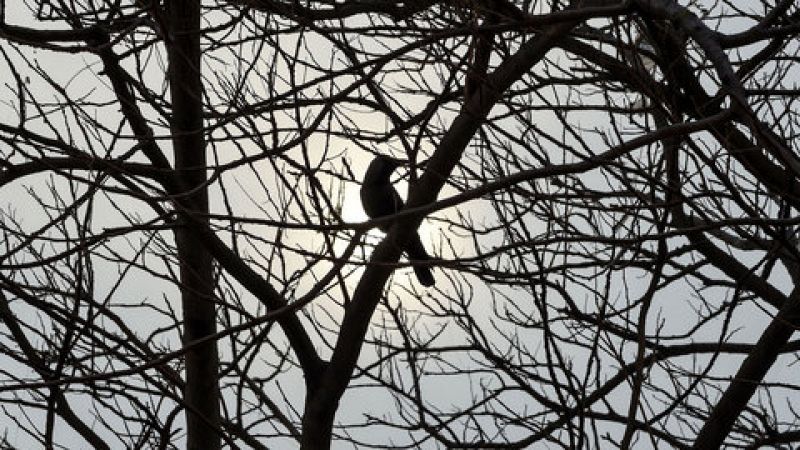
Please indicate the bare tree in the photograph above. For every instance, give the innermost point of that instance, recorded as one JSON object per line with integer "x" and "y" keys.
{"x": 609, "y": 191}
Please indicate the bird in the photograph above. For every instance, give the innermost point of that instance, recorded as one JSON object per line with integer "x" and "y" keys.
{"x": 379, "y": 198}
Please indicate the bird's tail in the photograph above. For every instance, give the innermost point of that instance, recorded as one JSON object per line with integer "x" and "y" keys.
{"x": 424, "y": 275}
{"x": 416, "y": 251}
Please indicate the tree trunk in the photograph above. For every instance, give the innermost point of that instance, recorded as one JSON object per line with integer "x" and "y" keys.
{"x": 201, "y": 393}
{"x": 750, "y": 375}
{"x": 323, "y": 401}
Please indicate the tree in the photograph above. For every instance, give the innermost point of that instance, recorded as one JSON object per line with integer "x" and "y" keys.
{"x": 609, "y": 188}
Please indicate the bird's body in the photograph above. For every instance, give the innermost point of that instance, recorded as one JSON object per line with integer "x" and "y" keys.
{"x": 380, "y": 198}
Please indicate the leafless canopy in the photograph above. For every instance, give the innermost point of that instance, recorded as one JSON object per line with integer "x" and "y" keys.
{"x": 610, "y": 188}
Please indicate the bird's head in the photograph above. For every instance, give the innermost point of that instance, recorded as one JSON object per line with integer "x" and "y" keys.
{"x": 389, "y": 162}
{"x": 381, "y": 168}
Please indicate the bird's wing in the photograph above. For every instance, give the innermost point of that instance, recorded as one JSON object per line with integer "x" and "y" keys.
{"x": 396, "y": 200}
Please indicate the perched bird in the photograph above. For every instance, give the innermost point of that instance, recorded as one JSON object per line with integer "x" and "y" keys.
{"x": 380, "y": 198}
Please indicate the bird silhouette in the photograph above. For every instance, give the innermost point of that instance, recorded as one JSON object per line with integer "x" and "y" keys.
{"x": 379, "y": 198}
